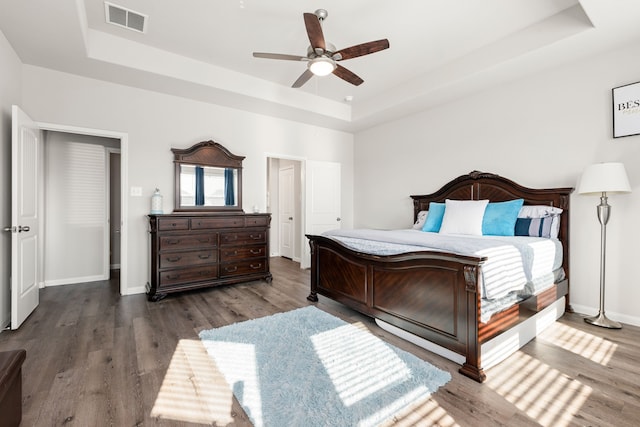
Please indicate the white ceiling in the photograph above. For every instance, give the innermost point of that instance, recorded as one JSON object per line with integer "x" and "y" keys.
{"x": 441, "y": 50}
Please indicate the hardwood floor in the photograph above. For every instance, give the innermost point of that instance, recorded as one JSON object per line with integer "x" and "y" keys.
{"x": 95, "y": 358}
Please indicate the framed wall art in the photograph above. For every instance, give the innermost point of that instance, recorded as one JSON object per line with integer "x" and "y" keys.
{"x": 626, "y": 110}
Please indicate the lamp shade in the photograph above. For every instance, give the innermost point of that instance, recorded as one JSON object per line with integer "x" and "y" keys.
{"x": 604, "y": 178}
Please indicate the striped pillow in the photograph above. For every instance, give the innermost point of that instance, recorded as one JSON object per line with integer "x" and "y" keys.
{"x": 547, "y": 226}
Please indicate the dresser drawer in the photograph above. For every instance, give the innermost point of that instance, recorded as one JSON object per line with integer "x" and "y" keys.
{"x": 244, "y": 267}
{"x": 257, "y": 221}
{"x": 243, "y": 237}
{"x": 204, "y": 223}
{"x": 244, "y": 252}
{"x": 187, "y": 241}
{"x": 186, "y": 275}
{"x": 166, "y": 224}
{"x": 181, "y": 259}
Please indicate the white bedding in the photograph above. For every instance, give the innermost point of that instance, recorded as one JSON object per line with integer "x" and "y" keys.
{"x": 516, "y": 266}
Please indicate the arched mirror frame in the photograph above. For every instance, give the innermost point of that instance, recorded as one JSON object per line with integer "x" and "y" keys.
{"x": 207, "y": 153}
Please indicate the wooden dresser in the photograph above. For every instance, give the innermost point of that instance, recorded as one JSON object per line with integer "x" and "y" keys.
{"x": 195, "y": 250}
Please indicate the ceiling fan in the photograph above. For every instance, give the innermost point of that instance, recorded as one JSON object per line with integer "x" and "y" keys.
{"x": 322, "y": 56}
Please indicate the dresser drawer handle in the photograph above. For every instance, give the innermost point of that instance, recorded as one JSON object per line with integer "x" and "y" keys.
{"x": 207, "y": 240}
{"x": 174, "y": 259}
{"x": 256, "y": 266}
{"x": 231, "y": 253}
{"x": 255, "y": 251}
{"x": 173, "y": 277}
{"x": 256, "y": 236}
{"x": 230, "y": 269}
{"x": 232, "y": 237}
{"x": 173, "y": 241}
{"x": 204, "y": 256}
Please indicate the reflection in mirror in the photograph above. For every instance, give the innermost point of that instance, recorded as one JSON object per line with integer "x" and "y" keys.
{"x": 208, "y": 186}
{"x": 208, "y": 178}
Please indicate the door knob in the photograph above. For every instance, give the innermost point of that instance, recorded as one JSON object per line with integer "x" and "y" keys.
{"x": 9, "y": 229}
{"x": 25, "y": 228}
{"x": 338, "y": 219}
{"x": 290, "y": 218}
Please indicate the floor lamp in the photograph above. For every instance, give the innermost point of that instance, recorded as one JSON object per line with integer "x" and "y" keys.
{"x": 603, "y": 178}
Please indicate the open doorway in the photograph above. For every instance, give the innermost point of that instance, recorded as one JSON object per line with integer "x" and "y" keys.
{"x": 77, "y": 199}
{"x": 284, "y": 189}
{"x": 315, "y": 199}
{"x": 118, "y": 245}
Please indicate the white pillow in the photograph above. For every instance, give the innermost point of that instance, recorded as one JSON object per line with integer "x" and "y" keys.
{"x": 422, "y": 217}
{"x": 463, "y": 217}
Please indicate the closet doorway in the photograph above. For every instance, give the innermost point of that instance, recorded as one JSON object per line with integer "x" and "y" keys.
{"x": 117, "y": 180}
{"x": 78, "y": 236}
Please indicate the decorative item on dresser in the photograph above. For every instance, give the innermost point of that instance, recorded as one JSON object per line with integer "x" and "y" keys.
{"x": 208, "y": 240}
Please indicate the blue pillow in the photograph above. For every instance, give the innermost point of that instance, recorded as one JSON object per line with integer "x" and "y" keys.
{"x": 500, "y": 218}
{"x": 434, "y": 217}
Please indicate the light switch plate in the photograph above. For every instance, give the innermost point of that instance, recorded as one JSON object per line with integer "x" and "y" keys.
{"x": 136, "y": 191}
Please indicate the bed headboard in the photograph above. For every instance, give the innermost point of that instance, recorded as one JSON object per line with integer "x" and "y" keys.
{"x": 482, "y": 185}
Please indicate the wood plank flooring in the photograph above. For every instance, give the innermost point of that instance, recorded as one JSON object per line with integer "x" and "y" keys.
{"x": 95, "y": 358}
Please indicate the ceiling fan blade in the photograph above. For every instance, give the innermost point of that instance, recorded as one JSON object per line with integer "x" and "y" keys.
{"x": 361, "y": 49}
{"x": 304, "y": 77}
{"x": 314, "y": 31}
{"x": 347, "y": 75}
{"x": 280, "y": 56}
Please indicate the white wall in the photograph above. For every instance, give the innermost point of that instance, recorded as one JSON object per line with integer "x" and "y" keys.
{"x": 541, "y": 132}
{"x": 10, "y": 90}
{"x": 156, "y": 122}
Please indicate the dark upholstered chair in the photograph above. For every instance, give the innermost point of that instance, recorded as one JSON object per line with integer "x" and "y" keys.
{"x": 11, "y": 387}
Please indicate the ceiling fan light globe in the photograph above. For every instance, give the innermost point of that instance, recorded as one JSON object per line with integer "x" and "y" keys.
{"x": 322, "y": 66}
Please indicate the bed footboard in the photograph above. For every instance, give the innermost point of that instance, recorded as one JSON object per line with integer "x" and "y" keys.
{"x": 431, "y": 294}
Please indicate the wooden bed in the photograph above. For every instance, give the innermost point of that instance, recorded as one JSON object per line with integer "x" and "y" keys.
{"x": 432, "y": 295}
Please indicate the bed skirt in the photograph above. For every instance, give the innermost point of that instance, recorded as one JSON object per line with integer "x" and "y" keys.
{"x": 496, "y": 349}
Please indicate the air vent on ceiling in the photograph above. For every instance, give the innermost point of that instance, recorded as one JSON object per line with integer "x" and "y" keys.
{"x": 126, "y": 18}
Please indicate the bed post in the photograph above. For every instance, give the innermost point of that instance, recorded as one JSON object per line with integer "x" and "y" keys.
{"x": 313, "y": 296}
{"x": 471, "y": 367}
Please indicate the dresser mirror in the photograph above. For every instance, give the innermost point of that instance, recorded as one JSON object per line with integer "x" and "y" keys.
{"x": 208, "y": 178}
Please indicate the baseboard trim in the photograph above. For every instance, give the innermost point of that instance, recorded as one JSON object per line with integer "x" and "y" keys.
{"x": 74, "y": 280}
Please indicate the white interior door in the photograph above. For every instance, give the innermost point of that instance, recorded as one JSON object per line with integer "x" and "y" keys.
{"x": 322, "y": 201}
{"x": 286, "y": 210}
{"x": 25, "y": 179}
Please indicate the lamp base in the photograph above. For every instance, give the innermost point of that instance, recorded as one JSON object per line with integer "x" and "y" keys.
{"x": 602, "y": 321}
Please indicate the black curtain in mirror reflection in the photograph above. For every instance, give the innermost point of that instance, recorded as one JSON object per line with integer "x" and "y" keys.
{"x": 229, "y": 189}
{"x": 199, "y": 186}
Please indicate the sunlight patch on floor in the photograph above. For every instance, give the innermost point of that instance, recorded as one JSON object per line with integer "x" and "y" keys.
{"x": 240, "y": 364}
{"x": 193, "y": 389}
{"x": 584, "y": 344}
{"x": 358, "y": 364}
{"x": 545, "y": 394}
{"x": 424, "y": 412}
